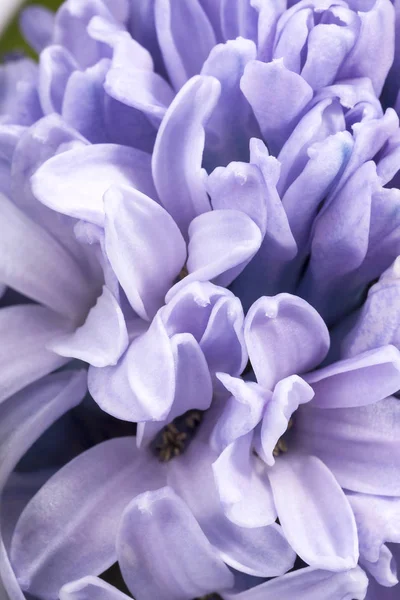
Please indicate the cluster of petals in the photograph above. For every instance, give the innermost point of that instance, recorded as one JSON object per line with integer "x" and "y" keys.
{"x": 200, "y": 215}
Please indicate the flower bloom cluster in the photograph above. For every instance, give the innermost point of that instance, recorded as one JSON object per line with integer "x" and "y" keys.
{"x": 200, "y": 301}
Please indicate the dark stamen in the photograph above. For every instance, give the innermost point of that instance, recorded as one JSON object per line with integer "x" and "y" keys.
{"x": 175, "y": 437}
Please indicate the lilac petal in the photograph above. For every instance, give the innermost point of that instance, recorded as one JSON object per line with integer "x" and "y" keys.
{"x": 327, "y": 46}
{"x": 268, "y": 18}
{"x": 145, "y": 247}
{"x": 74, "y": 532}
{"x": 368, "y": 58}
{"x": 212, "y": 8}
{"x": 74, "y": 182}
{"x": 193, "y": 386}
{"x": 319, "y": 122}
{"x": 164, "y": 554}
{"x": 33, "y": 263}
{"x": 284, "y": 336}
{"x": 293, "y": 30}
{"x": 55, "y": 68}
{"x": 314, "y": 512}
{"x": 240, "y": 186}
{"x": 128, "y": 126}
{"x": 238, "y": 18}
{"x": 141, "y": 89}
{"x": 243, "y": 485}
{"x": 364, "y": 379}
{"x": 232, "y": 122}
{"x": 102, "y": 339}
{"x": 302, "y": 199}
{"x": 259, "y": 551}
{"x": 177, "y": 168}
{"x": 359, "y": 445}
{"x": 242, "y": 411}
{"x": 186, "y": 38}
{"x": 288, "y": 394}
{"x": 22, "y": 420}
{"x": 83, "y": 102}
{"x": 141, "y": 386}
{"x": 90, "y": 588}
{"x": 223, "y": 341}
{"x": 310, "y": 584}
{"x": 278, "y": 97}
{"x": 25, "y": 330}
{"x": 384, "y": 569}
{"x": 378, "y": 522}
{"x": 221, "y": 244}
{"x": 126, "y": 51}
{"x": 36, "y": 24}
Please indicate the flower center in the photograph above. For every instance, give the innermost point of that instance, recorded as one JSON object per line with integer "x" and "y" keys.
{"x": 281, "y": 445}
{"x": 173, "y": 439}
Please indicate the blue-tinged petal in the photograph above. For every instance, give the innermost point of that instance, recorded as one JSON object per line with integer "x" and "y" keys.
{"x": 141, "y": 387}
{"x": 238, "y": 18}
{"x": 291, "y": 39}
{"x": 357, "y": 381}
{"x": 268, "y": 17}
{"x": 19, "y": 103}
{"x": 178, "y": 151}
{"x": 144, "y": 246}
{"x": 232, "y": 122}
{"x": 242, "y": 411}
{"x": 186, "y": 38}
{"x": 221, "y": 244}
{"x": 25, "y": 331}
{"x": 359, "y": 445}
{"x": 384, "y": 570}
{"x": 368, "y": 58}
{"x": 164, "y": 554}
{"x": 314, "y": 512}
{"x": 22, "y": 421}
{"x": 243, "y": 485}
{"x": 74, "y": 531}
{"x": 90, "y": 588}
{"x": 259, "y": 551}
{"x": 74, "y": 182}
{"x": 378, "y": 522}
{"x": 55, "y": 68}
{"x": 310, "y": 584}
{"x": 284, "y": 336}
{"x": 103, "y": 337}
{"x": 288, "y": 394}
{"x": 36, "y": 24}
{"x": 33, "y": 263}
{"x": 278, "y": 98}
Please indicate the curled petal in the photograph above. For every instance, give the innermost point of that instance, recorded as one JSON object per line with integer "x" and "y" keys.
{"x": 177, "y": 169}
{"x": 158, "y": 529}
{"x": 90, "y": 588}
{"x": 284, "y": 336}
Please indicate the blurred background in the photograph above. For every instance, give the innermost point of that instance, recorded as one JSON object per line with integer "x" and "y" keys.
{"x": 10, "y": 38}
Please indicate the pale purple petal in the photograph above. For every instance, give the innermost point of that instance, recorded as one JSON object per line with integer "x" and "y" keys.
{"x": 284, "y": 336}
{"x": 164, "y": 554}
{"x": 288, "y": 394}
{"x": 75, "y": 514}
{"x": 24, "y": 357}
{"x": 384, "y": 570}
{"x": 278, "y": 97}
{"x": 360, "y": 445}
{"x": 243, "y": 485}
{"x": 259, "y": 551}
{"x": 238, "y": 18}
{"x": 55, "y": 68}
{"x": 90, "y": 588}
{"x": 103, "y": 337}
{"x": 145, "y": 247}
{"x": 74, "y": 182}
{"x": 141, "y": 386}
{"x": 310, "y": 584}
{"x": 242, "y": 411}
{"x": 378, "y": 522}
{"x": 177, "y": 167}
{"x": 33, "y": 263}
{"x": 185, "y": 36}
{"x": 36, "y": 23}
{"x": 358, "y": 381}
{"x": 314, "y": 512}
